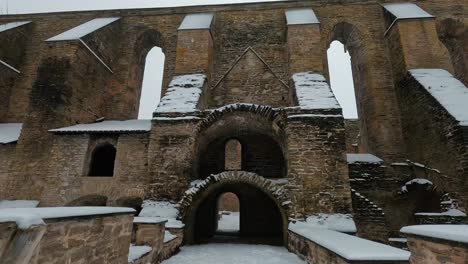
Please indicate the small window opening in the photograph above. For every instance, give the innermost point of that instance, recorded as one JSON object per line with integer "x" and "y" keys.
{"x": 233, "y": 155}
{"x": 102, "y": 161}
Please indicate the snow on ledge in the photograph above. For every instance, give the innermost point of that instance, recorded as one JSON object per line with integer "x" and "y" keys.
{"x": 183, "y": 94}
{"x": 137, "y": 252}
{"x": 28, "y": 217}
{"x": 84, "y": 29}
{"x": 338, "y": 222}
{"x": 450, "y": 212}
{"x": 446, "y": 89}
{"x": 313, "y": 92}
{"x": 406, "y": 11}
{"x": 149, "y": 220}
{"x": 162, "y": 210}
{"x": 354, "y": 158}
{"x": 301, "y": 16}
{"x": 457, "y": 233}
{"x": 168, "y": 236}
{"x": 197, "y": 21}
{"x": 350, "y": 247}
{"x": 13, "y": 25}
{"x": 10, "y": 132}
{"x": 107, "y": 126}
{"x": 18, "y": 204}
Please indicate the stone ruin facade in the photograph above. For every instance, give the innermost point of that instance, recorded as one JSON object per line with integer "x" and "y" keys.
{"x": 246, "y": 108}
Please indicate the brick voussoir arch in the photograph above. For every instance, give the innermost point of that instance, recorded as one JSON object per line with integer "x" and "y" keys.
{"x": 275, "y": 192}
{"x": 264, "y": 111}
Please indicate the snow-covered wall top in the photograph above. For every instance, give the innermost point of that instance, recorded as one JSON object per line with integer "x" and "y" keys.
{"x": 28, "y": 217}
{"x": 183, "y": 94}
{"x": 161, "y": 210}
{"x": 362, "y": 158}
{"x": 457, "y": 233}
{"x": 350, "y": 247}
{"x": 447, "y": 90}
{"x": 406, "y": 10}
{"x": 10, "y": 132}
{"x": 313, "y": 92}
{"x": 338, "y": 222}
{"x": 301, "y": 17}
{"x": 84, "y": 29}
{"x": 12, "y": 25}
{"x": 108, "y": 127}
{"x": 197, "y": 21}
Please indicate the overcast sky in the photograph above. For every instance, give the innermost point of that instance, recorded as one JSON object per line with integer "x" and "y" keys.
{"x": 340, "y": 69}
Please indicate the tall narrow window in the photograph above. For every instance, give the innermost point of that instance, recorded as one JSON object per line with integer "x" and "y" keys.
{"x": 341, "y": 78}
{"x": 233, "y": 155}
{"x": 152, "y": 82}
{"x": 102, "y": 161}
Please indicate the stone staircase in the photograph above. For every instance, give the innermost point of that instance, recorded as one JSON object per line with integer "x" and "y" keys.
{"x": 369, "y": 215}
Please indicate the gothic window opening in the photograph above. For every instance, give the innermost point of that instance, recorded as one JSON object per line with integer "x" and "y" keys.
{"x": 102, "y": 161}
{"x": 152, "y": 83}
{"x": 341, "y": 78}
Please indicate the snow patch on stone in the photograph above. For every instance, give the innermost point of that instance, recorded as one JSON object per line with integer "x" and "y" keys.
{"x": 406, "y": 10}
{"x": 457, "y": 233}
{"x": 168, "y": 236}
{"x": 108, "y": 126}
{"x": 148, "y": 220}
{"x": 137, "y": 252}
{"x": 234, "y": 254}
{"x": 183, "y": 94}
{"x": 84, "y": 29}
{"x": 353, "y": 158}
{"x": 447, "y": 90}
{"x": 18, "y": 204}
{"x": 420, "y": 181}
{"x": 229, "y": 222}
{"x": 10, "y": 132}
{"x": 350, "y": 247}
{"x": 313, "y": 92}
{"x": 197, "y": 21}
{"x": 162, "y": 210}
{"x": 301, "y": 16}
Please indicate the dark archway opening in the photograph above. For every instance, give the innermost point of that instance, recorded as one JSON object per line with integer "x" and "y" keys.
{"x": 259, "y": 153}
{"x": 102, "y": 161}
{"x": 260, "y": 220}
{"x": 132, "y": 202}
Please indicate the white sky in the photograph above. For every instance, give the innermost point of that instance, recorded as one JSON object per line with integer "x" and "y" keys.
{"x": 339, "y": 61}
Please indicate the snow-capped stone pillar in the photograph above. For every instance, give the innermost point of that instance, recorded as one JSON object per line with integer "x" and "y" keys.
{"x": 195, "y": 44}
{"x": 413, "y": 39}
{"x": 304, "y": 42}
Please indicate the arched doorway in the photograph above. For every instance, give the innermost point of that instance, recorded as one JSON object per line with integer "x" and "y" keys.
{"x": 262, "y": 218}
{"x": 242, "y": 137}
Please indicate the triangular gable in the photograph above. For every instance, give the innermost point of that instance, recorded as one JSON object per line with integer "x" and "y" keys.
{"x": 237, "y": 62}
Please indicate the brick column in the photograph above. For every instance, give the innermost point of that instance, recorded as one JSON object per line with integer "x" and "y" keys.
{"x": 413, "y": 40}
{"x": 194, "y": 45}
{"x": 304, "y": 41}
